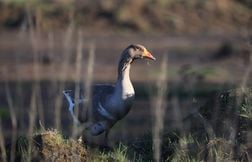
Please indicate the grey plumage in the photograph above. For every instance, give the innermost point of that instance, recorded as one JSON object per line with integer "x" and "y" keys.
{"x": 111, "y": 103}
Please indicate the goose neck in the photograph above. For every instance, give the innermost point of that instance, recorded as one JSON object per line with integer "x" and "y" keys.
{"x": 123, "y": 72}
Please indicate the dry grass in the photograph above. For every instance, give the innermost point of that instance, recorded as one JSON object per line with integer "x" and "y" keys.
{"x": 52, "y": 147}
{"x": 49, "y": 146}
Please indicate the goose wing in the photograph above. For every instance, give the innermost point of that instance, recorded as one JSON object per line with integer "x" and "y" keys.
{"x": 98, "y": 98}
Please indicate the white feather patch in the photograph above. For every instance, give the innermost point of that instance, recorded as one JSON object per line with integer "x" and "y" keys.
{"x": 71, "y": 107}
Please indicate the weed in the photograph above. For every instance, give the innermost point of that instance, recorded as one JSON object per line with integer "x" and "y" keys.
{"x": 117, "y": 154}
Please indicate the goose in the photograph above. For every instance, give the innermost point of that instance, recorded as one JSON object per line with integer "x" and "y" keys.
{"x": 110, "y": 103}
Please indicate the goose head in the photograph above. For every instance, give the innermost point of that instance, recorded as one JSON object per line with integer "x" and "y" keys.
{"x": 137, "y": 51}
{"x": 131, "y": 53}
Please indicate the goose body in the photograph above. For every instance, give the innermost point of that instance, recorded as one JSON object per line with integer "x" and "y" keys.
{"x": 111, "y": 103}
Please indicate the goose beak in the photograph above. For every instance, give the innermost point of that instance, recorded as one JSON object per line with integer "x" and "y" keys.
{"x": 148, "y": 55}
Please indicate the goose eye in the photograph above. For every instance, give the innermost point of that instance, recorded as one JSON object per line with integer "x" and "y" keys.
{"x": 137, "y": 48}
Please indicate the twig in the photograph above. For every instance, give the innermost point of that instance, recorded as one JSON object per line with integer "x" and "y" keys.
{"x": 89, "y": 79}
{"x": 159, "y": 105}
{"x": 32, "y": 117}
{"x": 13, "y": 119}
{"x": 77, "y": 80}
{"x": 2, "y": 147}
{"x": 35, "y": 88}
{"x": 13, "y": 122}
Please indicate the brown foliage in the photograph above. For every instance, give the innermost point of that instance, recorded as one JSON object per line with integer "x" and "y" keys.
{"x": 51, "y": 146}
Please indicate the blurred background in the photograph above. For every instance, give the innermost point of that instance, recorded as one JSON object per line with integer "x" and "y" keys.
{"x": 203, "y": 49}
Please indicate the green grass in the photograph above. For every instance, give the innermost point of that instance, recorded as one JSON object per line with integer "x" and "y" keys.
{"x": 118, "y": 154}
{"x": 246, "y": 110}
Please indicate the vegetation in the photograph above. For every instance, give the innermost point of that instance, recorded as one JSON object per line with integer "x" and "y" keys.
{"x": 117, "y": 154}
{"x": 221, "y": 133}
{"x": 196, "y": 112}
{"x": 141, "y": 16}
{"x": 49, "y": 146}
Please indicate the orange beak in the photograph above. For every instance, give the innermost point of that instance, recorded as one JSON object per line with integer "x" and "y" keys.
{"x": 148, "y": 55}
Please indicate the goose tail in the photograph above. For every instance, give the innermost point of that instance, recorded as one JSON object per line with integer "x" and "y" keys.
{"x": 71, "y": 105}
